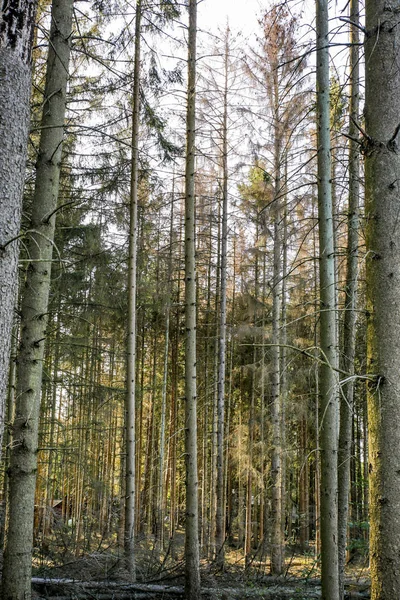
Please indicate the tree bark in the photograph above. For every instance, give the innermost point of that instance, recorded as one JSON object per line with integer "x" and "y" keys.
{"x": 34, "y": 309}
{"x": 277, "y": 550}
{"x": 220, "y": 517}
{"x": 130, "y": 424}
{"x": 328, "y": 342}
{"x": 382, "y": 168}
{"x": 192, "y": 567}
{"x": 347, "y": 399}
{"x": 17, "y": 20}
{"x": 161, "y": 475}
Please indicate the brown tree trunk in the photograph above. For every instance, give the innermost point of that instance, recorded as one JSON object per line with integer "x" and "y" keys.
{"x": 382, "y": 168}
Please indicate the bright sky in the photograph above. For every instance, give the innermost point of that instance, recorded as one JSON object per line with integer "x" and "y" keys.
{"x": 242, "y": 14}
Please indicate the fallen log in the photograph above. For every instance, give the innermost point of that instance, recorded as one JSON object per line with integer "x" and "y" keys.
{"x": 139, "y": 587}
{"x": 112, "y": 590}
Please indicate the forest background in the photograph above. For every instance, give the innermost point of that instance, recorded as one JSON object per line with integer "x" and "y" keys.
{"x": 119, "y": 254}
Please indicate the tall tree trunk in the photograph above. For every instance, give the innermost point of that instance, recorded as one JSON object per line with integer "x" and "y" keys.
{"x": 214, "y": 333}
{"x": 34, "y": 308}
{"x": 161, "y": 477}
{"x": 249, "y": 488}
{"x": 346, "y": 402}
{"x": 277, "y": 549}
{"x": 328, "y": 341}
{"x": 130, "y": 424}
{"x": 192, "y": 567}
{"x": 304, "y": 485}
{"x": 317, "y": 481}
{"x": 276, "y": 465}
{"x": 286, "y": 509}
{"x": 382, "y": 168}
{"x": 17, "y": 19}
{"x": 220, "y": 517}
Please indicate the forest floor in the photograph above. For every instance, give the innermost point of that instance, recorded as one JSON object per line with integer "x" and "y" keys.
{"x": 100, "y": 575}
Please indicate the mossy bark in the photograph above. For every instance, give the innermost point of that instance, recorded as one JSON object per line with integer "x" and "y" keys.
{"x": 382, "y": 176}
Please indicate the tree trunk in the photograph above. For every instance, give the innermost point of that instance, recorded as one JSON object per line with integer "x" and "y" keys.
{"x": 346, "y": 403}
{"x": 17, "y": 20}
{"x": 328, "y": 341}
{"x": 34, "y": 308}
{"x": 130, "y": 425}
{"x": 192, "y": 567}
{"x": 220, "y": 517}
{"x": 277, "y": 549}
{"x": 304, "y": 485}
{"x": 161, "y": 475}
{"x": 382, "y": 168}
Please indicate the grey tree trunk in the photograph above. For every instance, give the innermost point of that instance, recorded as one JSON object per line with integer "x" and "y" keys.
{"x": 17, "y": 19}
{"x": 277, "y": 545}
{"x": 34, "y": 308}
{"x": 130, "y": 420}
{"x": 192, "y": 566}
{"x": 328, "y": 342}
{"x": 277, "y": 558}
{"x": 220, "y": 516}
{"x": 161, "y": 475}
{"x": 346, "y": 401}
{"x": 382, "y": 173}
{"x": 286, "y": 510}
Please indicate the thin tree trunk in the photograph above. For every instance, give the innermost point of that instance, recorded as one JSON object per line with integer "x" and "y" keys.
{"x": 277, "y": 549}
{"x": 192, "y": 570}
{"x": 317, "y": 487}
{"x": 304, "y": 487}
{"x": 249, "y": 489}
{"x": 160, "y": 493}
{"x": 214, "y": 332}
{"x": 263, "y": 399}
{"x": 346, "y": 401}
{"x": 328, "y": 341}
{"x": 382, "y": 168}
{"x": 220, "y": 517}
{"x": 17, "y": 19}
{"x": 208, "y": 473}
{"x": 286, "y": 509}
{"x": 34, "y": 309}
{"x": 130, "y": 488}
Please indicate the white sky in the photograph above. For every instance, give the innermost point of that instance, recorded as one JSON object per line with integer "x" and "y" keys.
{"x": 242, "y": 14}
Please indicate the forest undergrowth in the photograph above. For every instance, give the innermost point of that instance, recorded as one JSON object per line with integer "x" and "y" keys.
{"x": 100, "y": 573}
